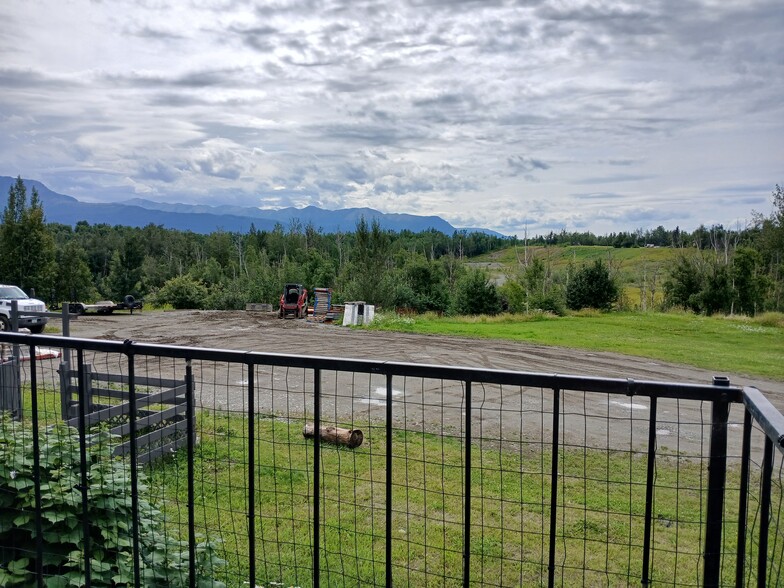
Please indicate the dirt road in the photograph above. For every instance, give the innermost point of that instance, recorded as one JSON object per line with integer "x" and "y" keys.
{"x": 431, "y": 406}
{"x": 256, "y": 331}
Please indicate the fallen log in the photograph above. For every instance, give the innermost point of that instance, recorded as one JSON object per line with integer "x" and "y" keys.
{"x": 351, "y": 438}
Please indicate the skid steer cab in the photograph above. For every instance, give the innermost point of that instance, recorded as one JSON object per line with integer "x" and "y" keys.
{"x": 294, "y": 301}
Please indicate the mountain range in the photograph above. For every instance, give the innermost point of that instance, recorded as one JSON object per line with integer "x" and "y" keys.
{"x": 199, "y": 218}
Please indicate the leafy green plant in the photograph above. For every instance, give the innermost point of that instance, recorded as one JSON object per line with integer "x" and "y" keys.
{"x": 593, "y": 287}
{"x": 475, "y": 294}
{"x": 164, "y": 560}
{"x": 182, "y": 292}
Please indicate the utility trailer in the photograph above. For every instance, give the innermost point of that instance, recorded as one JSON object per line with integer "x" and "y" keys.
{"x": 106, "y": 306}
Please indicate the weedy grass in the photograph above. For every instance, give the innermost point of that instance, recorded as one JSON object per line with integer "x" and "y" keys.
{"x": 629, "y": 264}
{"x": 737, "y": 345}
{"x": 599, "y": 522}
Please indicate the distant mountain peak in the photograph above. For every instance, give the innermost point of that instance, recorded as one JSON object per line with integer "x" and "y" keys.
{"x": 202, "y": 218}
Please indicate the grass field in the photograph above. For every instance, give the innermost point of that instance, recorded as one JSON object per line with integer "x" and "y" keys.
{"x": 628, "y": 265}
{"x": 599, "y": 524}
{"x": 737, "y": 345}
{"x": 559, "y": 257}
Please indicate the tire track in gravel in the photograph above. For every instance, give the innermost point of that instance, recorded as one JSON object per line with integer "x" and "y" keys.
{"x": 263, "y": 332}
{"x": 429, "y": 406}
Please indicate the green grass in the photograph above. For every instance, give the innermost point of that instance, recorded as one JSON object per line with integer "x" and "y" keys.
{"x": 628, "y": 265}
{"x": 599, "y": 525}
{"x": 728, "y": 345}
{"x": 559, "y": 257}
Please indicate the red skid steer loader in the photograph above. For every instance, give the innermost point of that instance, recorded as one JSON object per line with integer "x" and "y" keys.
{"x": 294, "y": 301}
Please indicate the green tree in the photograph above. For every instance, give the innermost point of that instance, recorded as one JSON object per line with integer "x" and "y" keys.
{"x": 533, "y": 289}
{"x": 28, "y": 246}
{"x": 716, "y": 295}
{"x": 363, "y": 276}
{"x": 683, "y": 286}
{"x": 592, "y": 287}
{"x": 769, "y": 241}
{"x": 125, "y": 268}
{"x": 475, "y": 294}
{"x": 421, "y": 285}
{"x": 749, "y": 283}
{"x": 183, "y": 292}
{"x": 74, "y": 281}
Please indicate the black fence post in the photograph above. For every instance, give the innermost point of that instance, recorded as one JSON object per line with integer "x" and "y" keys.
{"x": 717, "y": 477}
{"x": 190, "y": 410}
{"x": 554, "y": 486}
{"x": 133, "y": 414}
{"x": 83, "y": 482}
{"x": 15, "y": 317}
{"x": 316, "y": 477}
{"x": 649, "y": 480}
{"x": 251, "y": 473}
{"x": 467, "y": 491}
{"x": 39, "y": 541}
{"x": 765, "y": 502}
{"x": 11, "y": 388}
{"x": 743, "y": 504}
{"x": 388, "y": 506}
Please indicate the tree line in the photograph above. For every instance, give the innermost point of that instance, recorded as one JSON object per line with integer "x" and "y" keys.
{"x": 716, "y": 270}
{"x": 225, "y": 270}
{"x": 719, "y": 270}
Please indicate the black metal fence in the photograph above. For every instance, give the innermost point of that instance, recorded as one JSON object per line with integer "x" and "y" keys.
{"x": 465, "y": 476}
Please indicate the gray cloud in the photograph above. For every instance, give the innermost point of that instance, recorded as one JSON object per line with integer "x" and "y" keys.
{"x": 598, "y": 196}
{"x": 158, "y": 170}
{"x": 614, "y": 179}
{"x": 431, "y": 105}
{"x": 520, "y": 164}
{"x": 154, "y": 33}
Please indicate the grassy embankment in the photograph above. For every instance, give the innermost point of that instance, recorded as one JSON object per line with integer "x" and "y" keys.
{"x": 630, "y": 266}
{"x": 735, "y": 345}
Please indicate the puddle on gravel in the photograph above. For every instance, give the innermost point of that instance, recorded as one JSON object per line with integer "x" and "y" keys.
{"x": 381, "y": 393}
{"x": 629, "y": 405}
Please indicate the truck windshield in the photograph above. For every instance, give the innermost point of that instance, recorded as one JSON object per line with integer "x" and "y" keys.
{"x": 12, "y": 293}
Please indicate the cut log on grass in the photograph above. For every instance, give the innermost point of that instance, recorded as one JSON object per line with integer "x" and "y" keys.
{"x": 351, "y": 438}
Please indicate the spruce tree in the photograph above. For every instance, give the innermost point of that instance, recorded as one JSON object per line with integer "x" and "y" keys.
{"x": 28, "y": 258}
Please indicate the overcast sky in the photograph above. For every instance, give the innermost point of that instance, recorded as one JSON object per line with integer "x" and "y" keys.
{"x": 578, "y": 114}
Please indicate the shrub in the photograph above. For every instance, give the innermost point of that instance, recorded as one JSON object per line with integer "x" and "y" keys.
{"x": 164, "y": 560}
{"x": 592, "y": 287}
{"x": 770, "y": 319}
{"x": 474, "y": 294}
{"x": 182, "y": 292}
{"x": 551, "y": 302}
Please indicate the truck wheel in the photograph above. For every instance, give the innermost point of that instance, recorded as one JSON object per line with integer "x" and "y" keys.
{"x": 36, "y": 329}
{"x": 5, "y": 323}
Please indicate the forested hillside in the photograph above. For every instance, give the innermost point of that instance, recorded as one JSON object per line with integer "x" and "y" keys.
{"x": 709, "y": 270}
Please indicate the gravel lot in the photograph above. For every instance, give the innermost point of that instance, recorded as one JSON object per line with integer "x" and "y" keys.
{"x": 433, "y": 406}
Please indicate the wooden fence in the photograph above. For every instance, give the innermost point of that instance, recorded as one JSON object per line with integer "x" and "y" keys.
{"x": 161, "y": 410}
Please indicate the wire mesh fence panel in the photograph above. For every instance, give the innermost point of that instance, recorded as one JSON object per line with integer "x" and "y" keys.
{"x": 764, "y": 535}
{"x": 131, "y": 464}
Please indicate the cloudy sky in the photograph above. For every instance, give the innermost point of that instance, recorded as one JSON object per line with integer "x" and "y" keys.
{"x": 599, "y": 115}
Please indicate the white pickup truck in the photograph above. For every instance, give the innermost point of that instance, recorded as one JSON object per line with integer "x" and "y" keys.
{"x": 36, "y": 324}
